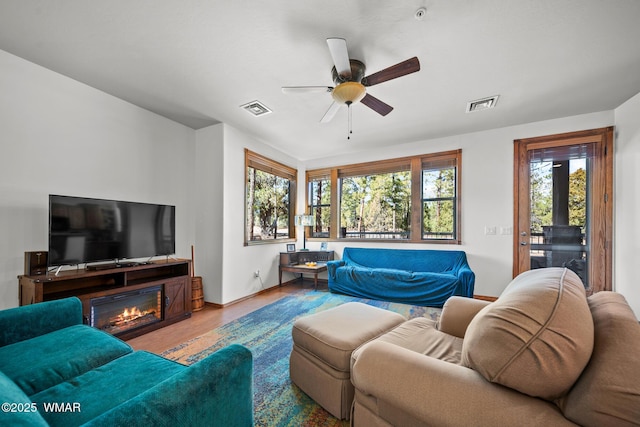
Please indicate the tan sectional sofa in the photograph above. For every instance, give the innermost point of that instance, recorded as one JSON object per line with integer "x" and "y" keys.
{"x": 542, "y": 354}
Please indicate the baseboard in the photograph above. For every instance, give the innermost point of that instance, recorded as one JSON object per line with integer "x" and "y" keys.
{"x": 262, "y": 291}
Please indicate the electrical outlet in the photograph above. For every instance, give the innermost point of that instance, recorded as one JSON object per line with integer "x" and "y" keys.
{"x": 256, "y": 273}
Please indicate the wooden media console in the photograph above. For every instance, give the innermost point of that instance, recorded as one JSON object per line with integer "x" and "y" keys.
{"x": 92, "y": 285}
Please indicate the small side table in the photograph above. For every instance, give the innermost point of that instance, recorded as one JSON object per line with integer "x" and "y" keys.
{"x": 295, "y": 262}
{"x": 303, "y": 269}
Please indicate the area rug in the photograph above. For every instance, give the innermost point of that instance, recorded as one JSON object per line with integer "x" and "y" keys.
{"x": 267, "y": 333}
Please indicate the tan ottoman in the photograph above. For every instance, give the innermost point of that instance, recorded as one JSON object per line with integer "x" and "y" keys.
{"x": 322, "y": 347}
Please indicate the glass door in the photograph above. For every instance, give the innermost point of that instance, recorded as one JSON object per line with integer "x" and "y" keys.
{"x": 559, "y": 192}
{"x": 563, "y": 211}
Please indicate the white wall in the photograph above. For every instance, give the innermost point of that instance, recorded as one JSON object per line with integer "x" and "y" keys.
{"x": 487, "y": 190}
{"x": 627, "y": 202}
{"x": 224, "y": 262}
{"x": 62, "y": 137}
{"x": 209, "y": 204}
{"x": 241, "y": 261}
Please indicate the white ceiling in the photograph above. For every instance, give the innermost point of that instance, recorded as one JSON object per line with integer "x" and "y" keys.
{"x": 197, "y": 61}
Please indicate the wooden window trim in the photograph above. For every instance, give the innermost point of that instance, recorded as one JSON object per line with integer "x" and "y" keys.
{"x": 379, "y": 167}
{"x": 444, "y": 159}
{"x": 414, "y": 164}
{"x": 317, "y": 175}
{"x": 265, "y": 164}
{"x": 260, "y": 162}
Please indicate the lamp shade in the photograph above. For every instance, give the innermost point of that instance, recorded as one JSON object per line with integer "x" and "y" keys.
{"x": 349, "y": 92}
{"x": 304, "y": 220}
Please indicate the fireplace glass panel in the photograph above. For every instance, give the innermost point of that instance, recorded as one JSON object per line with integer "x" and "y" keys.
{"x": 116, "y": 314}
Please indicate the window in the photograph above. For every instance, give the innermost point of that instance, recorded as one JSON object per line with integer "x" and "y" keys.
{"x": 376, "y": 206}
{"x": 439, "y": 199}
{"x": 319, "y": 202}
{"x": 269, "y": 188}
{"x": 412, "y": 199}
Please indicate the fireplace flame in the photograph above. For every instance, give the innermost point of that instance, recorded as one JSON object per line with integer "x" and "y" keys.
{"x": 130, "y": 314}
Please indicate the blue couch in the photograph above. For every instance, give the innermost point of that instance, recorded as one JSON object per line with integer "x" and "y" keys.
{"x": 55, "y": 371}
{"x": 418, "y": 277}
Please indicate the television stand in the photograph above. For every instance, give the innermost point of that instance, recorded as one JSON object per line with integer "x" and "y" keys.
{"x": 110, "y": 265}
{"x": 104, "y": 280}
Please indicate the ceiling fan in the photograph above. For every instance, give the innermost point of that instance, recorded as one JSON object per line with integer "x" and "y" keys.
{"x": 351, "y": 83}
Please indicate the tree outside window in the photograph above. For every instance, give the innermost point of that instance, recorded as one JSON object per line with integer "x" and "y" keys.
{"x": 376, "y": 206}
{"x": 269, "y": 186}
{"x": 541, "y": 194}
{"x": 439, "y": 203}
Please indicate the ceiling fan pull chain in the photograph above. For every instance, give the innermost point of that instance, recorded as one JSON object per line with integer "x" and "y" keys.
{"x": 349, "y": 125}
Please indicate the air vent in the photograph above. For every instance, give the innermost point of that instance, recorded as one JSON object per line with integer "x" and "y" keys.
{"x": 482, "y": 104}
{"x": 256, "y": 108}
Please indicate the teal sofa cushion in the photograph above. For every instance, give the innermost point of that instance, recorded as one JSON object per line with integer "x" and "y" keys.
{"x": 29, "y": 321}
{"x": 46, "y": 360}
{"x": 217, "y": 391}
{"x": 106, "y": 387}
{"x": 17, "y": 409}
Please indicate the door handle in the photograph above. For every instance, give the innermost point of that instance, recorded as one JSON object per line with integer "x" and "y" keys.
{"x": 522, "y": 243}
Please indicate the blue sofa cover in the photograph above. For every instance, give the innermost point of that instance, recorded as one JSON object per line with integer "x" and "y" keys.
{"x": 55, "y": 371}
{"x": 418, "y": 277}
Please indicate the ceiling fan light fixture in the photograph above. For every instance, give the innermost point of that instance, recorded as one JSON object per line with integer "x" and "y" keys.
{"x": 349, "y": 92}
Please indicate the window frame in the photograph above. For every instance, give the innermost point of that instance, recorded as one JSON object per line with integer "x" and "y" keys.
{"x": 264, "y": 164}
{"x": 317, "y": 175}
{"x": 441, "y": 161}
{"x": 414, "y": 164}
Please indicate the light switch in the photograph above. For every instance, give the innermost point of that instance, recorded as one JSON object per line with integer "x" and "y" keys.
{"x": 506, "y": 231}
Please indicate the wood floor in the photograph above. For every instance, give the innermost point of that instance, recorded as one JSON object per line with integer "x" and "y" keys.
{"x": 211, "y": 317}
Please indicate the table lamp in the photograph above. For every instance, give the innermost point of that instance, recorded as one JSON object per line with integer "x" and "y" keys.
{"x": 304, "y": 221}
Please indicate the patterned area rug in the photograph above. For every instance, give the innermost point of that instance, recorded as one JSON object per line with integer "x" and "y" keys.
{"x": 267, "y": 333}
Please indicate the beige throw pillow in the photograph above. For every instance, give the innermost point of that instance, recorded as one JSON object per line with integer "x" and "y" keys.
{"x": 536, "y": 338}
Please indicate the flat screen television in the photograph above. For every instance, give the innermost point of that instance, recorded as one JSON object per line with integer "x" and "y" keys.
{"x": 84, "y": 230}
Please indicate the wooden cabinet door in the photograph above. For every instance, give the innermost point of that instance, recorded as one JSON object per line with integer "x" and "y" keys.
{"x": 177, "y": 298}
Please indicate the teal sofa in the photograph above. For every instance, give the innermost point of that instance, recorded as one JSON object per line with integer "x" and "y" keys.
{"x": 408, "y": 276}
{"x": 55, "y": 371}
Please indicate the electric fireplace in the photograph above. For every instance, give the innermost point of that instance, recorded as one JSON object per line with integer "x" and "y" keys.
{"x": 126, "y": 311}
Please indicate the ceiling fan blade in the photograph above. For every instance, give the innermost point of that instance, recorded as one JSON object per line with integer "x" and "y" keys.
{"x": 340, "y": 56}
{"x": 376, "y": 105}
{"x": 306, "y": 89}
{"x": 401, "y": 69}
{"x": 333, "y": 109}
